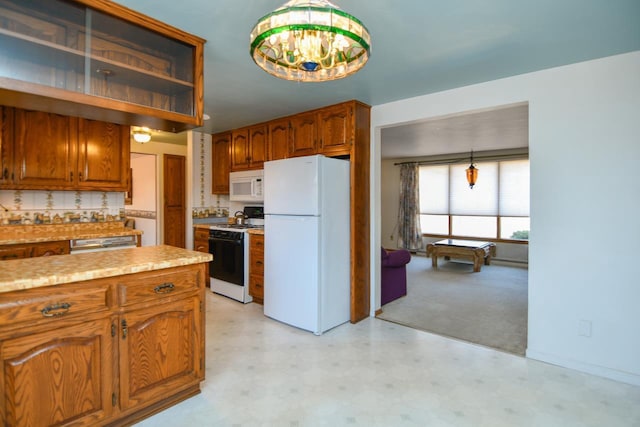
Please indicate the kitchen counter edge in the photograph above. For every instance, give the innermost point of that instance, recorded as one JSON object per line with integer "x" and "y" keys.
{"x": 16, "y": 238}
{"x": 31, "y": 273}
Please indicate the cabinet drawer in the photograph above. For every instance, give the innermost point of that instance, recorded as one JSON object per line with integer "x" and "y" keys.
{"x": 201, "y": 234}
{"x": 157, "y": 285}
{"x": 47, "y": 303}
{"x": 256, "y": 243}
{"x": 256, "y": 263}
{"x": 15, "y": 252}
{"x": 256, "y": 286}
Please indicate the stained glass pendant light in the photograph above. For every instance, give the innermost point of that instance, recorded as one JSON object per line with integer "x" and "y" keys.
{"x": 310, "y": 41}
{"x": 472, "y": 173}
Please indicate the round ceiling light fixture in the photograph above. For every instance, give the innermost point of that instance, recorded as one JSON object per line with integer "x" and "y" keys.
{"x": 310, "y": 41}
{"x": 142, "y": 135}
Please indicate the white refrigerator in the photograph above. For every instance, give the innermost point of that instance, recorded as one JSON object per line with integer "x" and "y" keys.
{"x": 307, "y": 236}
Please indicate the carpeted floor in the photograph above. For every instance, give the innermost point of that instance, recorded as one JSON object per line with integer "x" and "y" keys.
{"x": 487, "y": 308}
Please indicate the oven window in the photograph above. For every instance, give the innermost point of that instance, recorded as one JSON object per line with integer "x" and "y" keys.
{"x": 228, "y": 260}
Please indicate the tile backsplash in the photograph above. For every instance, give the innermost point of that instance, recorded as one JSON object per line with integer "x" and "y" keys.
{"x": 22, "y": 207}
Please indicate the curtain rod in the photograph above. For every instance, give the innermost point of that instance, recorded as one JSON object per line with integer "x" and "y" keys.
{"x": 476, "y": 158}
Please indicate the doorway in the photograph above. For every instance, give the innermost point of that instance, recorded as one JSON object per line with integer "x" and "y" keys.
{"x": 494, "y": 130}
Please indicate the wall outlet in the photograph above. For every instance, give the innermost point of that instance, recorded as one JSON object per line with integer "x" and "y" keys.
{"x": 584, "y": 328}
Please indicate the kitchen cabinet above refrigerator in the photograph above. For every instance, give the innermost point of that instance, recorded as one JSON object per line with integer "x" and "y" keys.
{"x": 99, "y": 60}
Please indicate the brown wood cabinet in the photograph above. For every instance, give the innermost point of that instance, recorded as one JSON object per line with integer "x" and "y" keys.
{"x": 240, "y": 149}
{"x": 45, "y": 151}
{"x": 220, "y": 162}
{"x": 99, "y": 60}
{"x": 201, "y": 240}
{"x": 279, "y": 137}
{"x": 103, "y": 156}
{"x": 65, "y": 372}
{"x": 249, "y": 148}
{"x": 336, "y": 129}
{"x": 256, "y": 267}
{"x": 29, "y": 250}
{"x": 105, "y": 351}
{"x": 329, "y": 131}
{"x": 201, "y": 244}
{"x": 304, "y": 134}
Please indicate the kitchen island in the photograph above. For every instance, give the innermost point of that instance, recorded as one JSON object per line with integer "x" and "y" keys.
{"x": 104, "y": 338}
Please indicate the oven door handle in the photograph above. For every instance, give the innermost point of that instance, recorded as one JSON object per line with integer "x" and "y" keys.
{"x": 234, "y": 241}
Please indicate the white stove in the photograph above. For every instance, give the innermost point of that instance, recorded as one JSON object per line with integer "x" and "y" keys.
{"x": 229, "y": 270}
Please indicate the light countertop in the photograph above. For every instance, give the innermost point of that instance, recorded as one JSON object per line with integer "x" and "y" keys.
{"x": 10, "y": 235}
{"x": 30, "y": 273}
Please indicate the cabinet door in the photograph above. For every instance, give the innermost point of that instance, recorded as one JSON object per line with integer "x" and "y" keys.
{"x": 240, "y": 149}
{"x": 257, "y": 146}
{"x": 278, "y": 146}
{"x": 303, "y": 135}
{"x": 103, "y": 156}
{"x": 220, "y": 163}
{"x": 58, "y": 377}
{"x": 161, "y": 351}
{"x": 44, "y": 150}
{"x": 119, "y": 64}
{"x": 335, "y": 129}
{"x": 174, "y": 176}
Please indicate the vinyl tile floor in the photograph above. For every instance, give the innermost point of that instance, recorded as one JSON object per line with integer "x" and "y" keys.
{"x": 261, "y": 372}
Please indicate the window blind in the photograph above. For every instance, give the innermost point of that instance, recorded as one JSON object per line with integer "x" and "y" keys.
{"x": 514, "y": 188}
{"x": 482, "y": 199}
{"x": 502, "y": 189}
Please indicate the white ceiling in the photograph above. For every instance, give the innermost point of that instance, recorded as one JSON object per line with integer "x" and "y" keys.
{"x": 493, "y": 129}
{"x": 418, "y": 47}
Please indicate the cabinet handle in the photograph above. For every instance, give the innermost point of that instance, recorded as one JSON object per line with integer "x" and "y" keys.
{"x": 71, "y": 176}
{"x": 6, "y": 173}
{"x": 165, "y": 288}
{"x": 259, "y": 262}
{"x": 55, "y": 310}
{"x": 125, "y": 329}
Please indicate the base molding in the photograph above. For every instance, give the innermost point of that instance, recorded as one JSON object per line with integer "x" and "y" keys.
{"x": 601, "y": 371}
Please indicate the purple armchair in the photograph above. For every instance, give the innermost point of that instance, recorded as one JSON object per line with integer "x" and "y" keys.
{"x": 393, "y": 282}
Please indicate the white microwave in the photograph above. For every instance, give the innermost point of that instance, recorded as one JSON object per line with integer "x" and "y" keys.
{"x": 246, "y": 186}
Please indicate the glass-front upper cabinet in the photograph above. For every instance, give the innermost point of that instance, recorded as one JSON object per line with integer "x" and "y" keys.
{"x": 124, "y": 66}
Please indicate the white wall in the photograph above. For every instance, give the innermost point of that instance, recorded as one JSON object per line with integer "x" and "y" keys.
{"x": 145, "y": 197}
{"x": 584, "y": 127}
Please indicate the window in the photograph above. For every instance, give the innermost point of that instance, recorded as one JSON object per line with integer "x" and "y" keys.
{"x": 497, "y": 207}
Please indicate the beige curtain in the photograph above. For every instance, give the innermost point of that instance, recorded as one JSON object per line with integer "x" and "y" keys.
{"x": 409, "y": 232}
